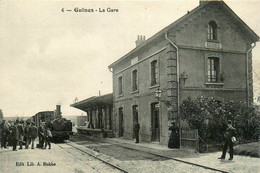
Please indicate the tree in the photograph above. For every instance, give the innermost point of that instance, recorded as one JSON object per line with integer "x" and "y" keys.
{"x": 210, "y": 118}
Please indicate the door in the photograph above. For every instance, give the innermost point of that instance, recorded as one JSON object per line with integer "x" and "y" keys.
{"x": 121, "y": 122}
{"x": 155, "y": 122}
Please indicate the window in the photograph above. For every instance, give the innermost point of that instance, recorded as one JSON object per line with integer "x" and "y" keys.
{"x": 154, "y": 73}
{"x": 120, "y": 86}
{"x": 134, "y": 80}
{"x": 213, "y": 69}
{"x": 212, "y": 30}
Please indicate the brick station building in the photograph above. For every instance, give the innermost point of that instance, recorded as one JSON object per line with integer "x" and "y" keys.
{"x": 207, "y": 52}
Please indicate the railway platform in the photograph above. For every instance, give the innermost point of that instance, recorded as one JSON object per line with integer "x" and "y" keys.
{"x": 153, "y": 147}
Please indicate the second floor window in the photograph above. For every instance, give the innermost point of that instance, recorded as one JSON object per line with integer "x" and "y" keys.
{"x": 120, "y": 86}
{"x": 154, "y": 73}
{"x": 213, "y": 69}
{"x": 134, "y": 80}
{"x": 212, "y": 30}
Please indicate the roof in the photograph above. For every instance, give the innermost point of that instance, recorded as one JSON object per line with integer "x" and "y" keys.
{"x": 166, "y": 29}
{"x": 45, "y": 112}
{"x": 94, "y": 101}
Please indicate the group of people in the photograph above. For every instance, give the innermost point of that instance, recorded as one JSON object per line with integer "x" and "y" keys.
{"x": 20, "y": 132}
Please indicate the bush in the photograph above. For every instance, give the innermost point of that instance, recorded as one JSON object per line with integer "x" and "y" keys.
{"x": 210, "y": 118}
{"x": 249, "y": 149}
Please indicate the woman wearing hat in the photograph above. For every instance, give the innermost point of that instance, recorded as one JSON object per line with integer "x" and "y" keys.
{"x": 174, "y": 137}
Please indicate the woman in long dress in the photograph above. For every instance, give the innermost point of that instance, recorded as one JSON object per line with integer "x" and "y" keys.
{"x": 174, "y": 137}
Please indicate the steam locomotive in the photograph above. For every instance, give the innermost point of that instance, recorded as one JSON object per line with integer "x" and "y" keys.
{"x": 61, "y": 128}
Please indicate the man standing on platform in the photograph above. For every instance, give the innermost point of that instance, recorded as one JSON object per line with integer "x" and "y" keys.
{"x": 228, "y": 135}
{"x": 41, "y": 135}
{"x": 2, "y": 133}
{"x": 15, "y": 135}
{"x": 33, "y": 131}
{"x": 21, "y": 133}
{"x": 136, "y": 131}
{"x": 27, "y": 134}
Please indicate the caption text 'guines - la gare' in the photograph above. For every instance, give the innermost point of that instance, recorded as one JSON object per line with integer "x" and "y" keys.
{"x": 90, "y": 10}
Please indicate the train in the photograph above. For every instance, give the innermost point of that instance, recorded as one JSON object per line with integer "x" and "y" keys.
{"x": 61, "y": 128}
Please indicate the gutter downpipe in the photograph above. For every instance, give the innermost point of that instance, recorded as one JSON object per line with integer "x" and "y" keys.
{"x": 247, "y": 76}
{"x": 178, "y": 79}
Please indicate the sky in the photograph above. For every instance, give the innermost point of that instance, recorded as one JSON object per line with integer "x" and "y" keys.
{"x": 50, "y": 57}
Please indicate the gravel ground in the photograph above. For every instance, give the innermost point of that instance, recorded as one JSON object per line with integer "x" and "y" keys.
{"x": 138, "y": 161}
{"x": 124, "y": 154}
{"x": 90, "y": 161}
{"x": 135, "y": 161}
{"x": 240, "y": 164}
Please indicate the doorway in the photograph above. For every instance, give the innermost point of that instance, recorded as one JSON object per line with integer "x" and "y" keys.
{"x": 121, "y": 122}
{"x": 155, "y": 122}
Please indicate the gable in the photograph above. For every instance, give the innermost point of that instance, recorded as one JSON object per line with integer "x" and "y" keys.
{"x": 181, "y": 23}
{"x": 217, "y": 9}
{"x": 194, "y": 30}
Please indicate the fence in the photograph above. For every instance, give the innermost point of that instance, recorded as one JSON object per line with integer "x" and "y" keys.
{"x": 189, "y": 139}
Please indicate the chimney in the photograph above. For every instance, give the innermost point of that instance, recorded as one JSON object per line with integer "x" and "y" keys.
{"x": 202, "y": 1}
{"x": 140, "y": 40}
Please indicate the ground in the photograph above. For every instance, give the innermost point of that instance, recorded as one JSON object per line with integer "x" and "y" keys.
{"x": 73, "y": 157}
{"x": 10, "y": 161}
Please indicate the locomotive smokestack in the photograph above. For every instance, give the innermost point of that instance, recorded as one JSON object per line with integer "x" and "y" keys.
{"x": 58, "y": 113}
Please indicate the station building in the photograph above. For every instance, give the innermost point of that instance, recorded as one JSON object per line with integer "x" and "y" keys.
{"x": 207, "y": 52}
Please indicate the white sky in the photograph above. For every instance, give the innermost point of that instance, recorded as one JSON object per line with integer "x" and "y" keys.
{"x": 48, "y": 57}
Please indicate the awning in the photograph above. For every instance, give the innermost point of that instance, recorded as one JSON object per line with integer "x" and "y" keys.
{"x": 93, "y": 102}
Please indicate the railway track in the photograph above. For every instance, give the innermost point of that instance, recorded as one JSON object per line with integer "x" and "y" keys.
{"x": 161, "y": 156}
{"x": 114, "y": 167}
{"x": 178, "y": 160}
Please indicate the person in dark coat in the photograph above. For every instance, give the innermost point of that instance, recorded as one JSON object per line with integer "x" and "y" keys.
{"x": 136, "y": 131}
{"x": 15, "y": 135}
{"x": 5, "y": 132}
{"x": 174, "y": 140}
{"x": 27, "y": 134}
{"x": 41, "y": 135}
{"x": 33, "y": 131}
{"x": 7, "y": 127}
{"x": 21, "y": 134}
{"x": 229, "y": 133}
{"x": 3, "y": 138}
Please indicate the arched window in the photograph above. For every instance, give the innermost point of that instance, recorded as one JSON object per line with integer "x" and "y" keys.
{"x": 154, "y": 73}
{"x": 212, "y": 30}
{"x": 134, "y": 80}
{"x": 120, "y": 86}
